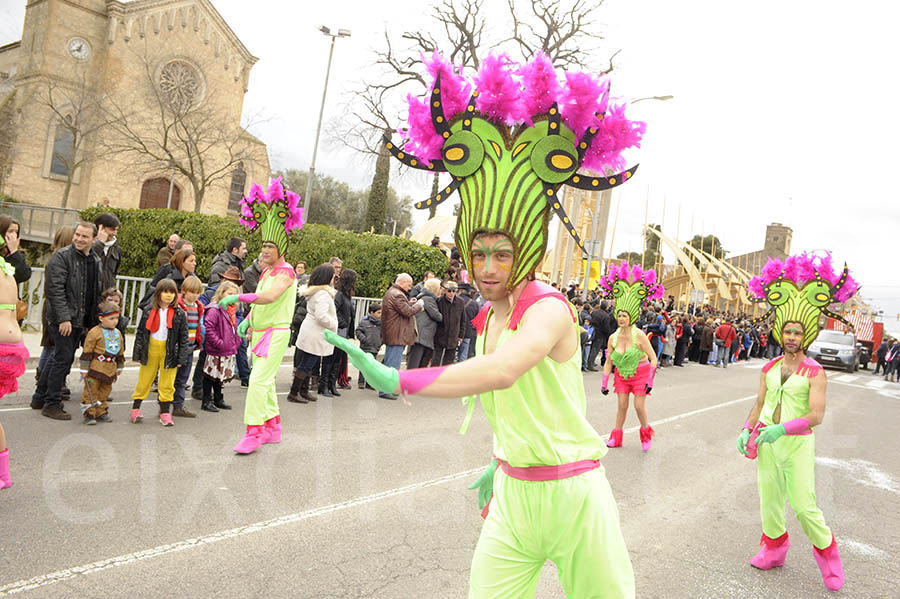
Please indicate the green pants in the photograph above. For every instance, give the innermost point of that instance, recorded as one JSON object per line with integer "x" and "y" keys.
{"x": 262, "y": 402}
{"x": 786, "y": 470}
{"x": 574, "y": 522}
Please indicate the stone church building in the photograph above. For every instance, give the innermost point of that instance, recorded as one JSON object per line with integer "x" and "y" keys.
{"x": 103, "y": 100}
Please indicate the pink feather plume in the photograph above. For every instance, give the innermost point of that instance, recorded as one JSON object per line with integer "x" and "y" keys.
{"x": 801, "y": 269}
{"x": 540, "y": 86}
{"x": 499, "y": 94}
{"x": 615, "y": 134}
{"x": 295, "y": 218}
{"x": 580, "y": 100}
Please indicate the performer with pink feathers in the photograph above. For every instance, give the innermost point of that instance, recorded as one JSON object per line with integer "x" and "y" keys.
{"x": 629, "y": 349}
{"x": 12, "y": 353}
{"x": 778, "y": 431}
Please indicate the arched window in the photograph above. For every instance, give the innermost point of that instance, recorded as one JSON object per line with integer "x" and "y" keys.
{"x": 238, "y": 179}
{"x": 155, "y": 194}
{"x": 63, "y": 149}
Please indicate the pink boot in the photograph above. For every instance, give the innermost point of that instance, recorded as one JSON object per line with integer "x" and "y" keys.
{"x": 615, "y": 438}
{"x": 253, "y": 439}
{"x": 5, "y": 481}
{"x": 136, "y": 416}
{"x": 829, "y": 561}
{"x": 272, "y": 432}
{"x": 165, "y": 419}
{"x": 772, "y": 553}
{"x": 646, "y": 437}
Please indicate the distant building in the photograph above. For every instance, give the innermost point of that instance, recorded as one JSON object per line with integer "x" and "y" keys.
{"x": 777, "y": 245}
{"x": 130, "y": 54}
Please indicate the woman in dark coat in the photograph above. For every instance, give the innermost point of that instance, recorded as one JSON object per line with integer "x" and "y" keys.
{"x": 333, "y": 365}
{"x": 426, "y": 326}
{"x": 694, "y": 352}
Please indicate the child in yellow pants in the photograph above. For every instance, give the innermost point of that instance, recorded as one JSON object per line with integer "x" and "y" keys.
{"x": 161, "y": 346}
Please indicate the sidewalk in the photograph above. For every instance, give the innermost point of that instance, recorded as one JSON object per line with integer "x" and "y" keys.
{"x": 32, "y": 341}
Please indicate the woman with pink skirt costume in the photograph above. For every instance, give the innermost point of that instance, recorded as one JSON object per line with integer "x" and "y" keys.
{"x": 12, "y": 354}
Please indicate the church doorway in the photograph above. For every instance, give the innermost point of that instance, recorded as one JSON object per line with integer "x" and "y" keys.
{"x": 155, "y": 194}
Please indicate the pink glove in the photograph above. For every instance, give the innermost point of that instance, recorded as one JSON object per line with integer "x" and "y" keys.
{"x": 649, "y": 386}
{"x": 797, "y": 426}
{"x": 604, "y": 388}
{"x": 413, "y": 381}
{"x": 248, "y": 298}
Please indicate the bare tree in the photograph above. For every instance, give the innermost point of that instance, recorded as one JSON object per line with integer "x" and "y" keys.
{"x": 188, "y": 131}
{"x": 459, "y": 34}
{"x": 78, "y": 114}
{"x": 559, "y": 32}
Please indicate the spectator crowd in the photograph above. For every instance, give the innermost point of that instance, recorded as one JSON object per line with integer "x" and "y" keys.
{"x": 188, "y": 346}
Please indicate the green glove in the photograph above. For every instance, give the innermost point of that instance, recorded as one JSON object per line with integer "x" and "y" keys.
{"x": 770, "y": 434}
{"x": 742, "y": 441}
{"x": 242, "y": 328}
{"x": 228, "y": 300}
{"x": 384, "y": 378}
{"x": 485, "y": 485}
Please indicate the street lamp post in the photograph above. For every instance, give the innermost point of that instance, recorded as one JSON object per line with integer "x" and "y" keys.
{"x": 312, "y": 168}
{"x": 171, "y": 183}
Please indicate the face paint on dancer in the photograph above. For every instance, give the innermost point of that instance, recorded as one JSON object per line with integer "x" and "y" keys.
{"x": 623, "y": 318}
{"x": 492, "y": 262}
{"x": 269, "y": 254}
{"x": 792, "y": 335}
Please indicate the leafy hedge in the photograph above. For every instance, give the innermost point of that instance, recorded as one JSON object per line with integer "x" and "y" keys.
{"x": 376, "y": 258}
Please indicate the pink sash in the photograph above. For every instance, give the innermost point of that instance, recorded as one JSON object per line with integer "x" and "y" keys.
{"x": 261, "y": 349}
{"x": 543, "y": 473}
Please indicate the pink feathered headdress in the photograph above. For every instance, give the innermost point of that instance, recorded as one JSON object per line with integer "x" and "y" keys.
{"x": 514, "y": 93}
{"x": 276, "y": 212}
{"x": 801, "y": 269}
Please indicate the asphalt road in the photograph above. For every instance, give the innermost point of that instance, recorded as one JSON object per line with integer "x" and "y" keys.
{"x": 367, "y": 497}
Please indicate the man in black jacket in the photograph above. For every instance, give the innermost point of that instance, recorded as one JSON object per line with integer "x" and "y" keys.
{"x": 233, "y": 255}
{"x": 452, "y": 328}
{"x": 604, "y": 326}
{"x": 72, "y": 290}
{"x": 108, "y": 249}
{"x": 470, "y": 311}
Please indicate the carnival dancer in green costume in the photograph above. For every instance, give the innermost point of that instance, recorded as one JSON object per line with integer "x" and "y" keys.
{"x": 629, "y": 350}
{"x": 791, "y": 401}
{"x": 510, "y": 146}
{"x": 268, "y": 326}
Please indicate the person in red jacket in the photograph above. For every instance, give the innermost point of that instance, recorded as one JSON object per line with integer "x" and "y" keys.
{"x": 724, "y": 337}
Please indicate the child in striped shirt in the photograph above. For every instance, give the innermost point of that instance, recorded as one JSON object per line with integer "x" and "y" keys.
{"x": 191, "y": 289}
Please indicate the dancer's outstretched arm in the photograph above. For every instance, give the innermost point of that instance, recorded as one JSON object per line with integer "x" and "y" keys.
{"x": 280, "y": 285}
{"x": 546, "y": 326}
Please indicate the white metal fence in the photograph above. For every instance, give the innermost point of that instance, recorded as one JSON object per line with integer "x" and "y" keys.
{"x": 133, "y": 289}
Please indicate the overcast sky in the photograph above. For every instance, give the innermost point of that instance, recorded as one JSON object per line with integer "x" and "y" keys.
{"x": 782, "y": 112}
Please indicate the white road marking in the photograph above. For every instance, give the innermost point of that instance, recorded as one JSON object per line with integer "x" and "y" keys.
{"x": 130, "y": 558}
{"x": 845, "y": 378}
{"x": 863, "y": 549}
{"x": 863, "y": 472}
{"x": 876, "y": 384}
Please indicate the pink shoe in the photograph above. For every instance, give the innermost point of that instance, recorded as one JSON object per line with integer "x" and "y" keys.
{"x": 615, "y": 438}
{"x": 5, "y": 481}
{"x": 272, "y": 430}
{"x": 646, "y": 437}
{"x": 829, "y": 560}
{"x": 165, "y": 419}
{"x": 136, "y": 416}
{"x": 772, "y": 554}
{"x": 253, "y": 439}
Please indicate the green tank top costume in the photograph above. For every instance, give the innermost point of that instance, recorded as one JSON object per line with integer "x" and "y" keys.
{"x": 626, "y": 363}
{"x": 792, "y": 394}
{"x": 7, "y": 269}
{"x": 541, "y": 419}
{"x": 280, "y": 312}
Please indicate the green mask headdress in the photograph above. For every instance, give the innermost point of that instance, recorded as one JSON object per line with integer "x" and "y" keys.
{"x": 799, "y": 290}
{"x": 511, "y": 145}
{"x": 630, "y": 287}
{"x": 273, "y": 214}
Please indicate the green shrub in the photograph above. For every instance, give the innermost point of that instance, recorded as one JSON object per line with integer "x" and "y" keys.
{"x": 376, "y": 258}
